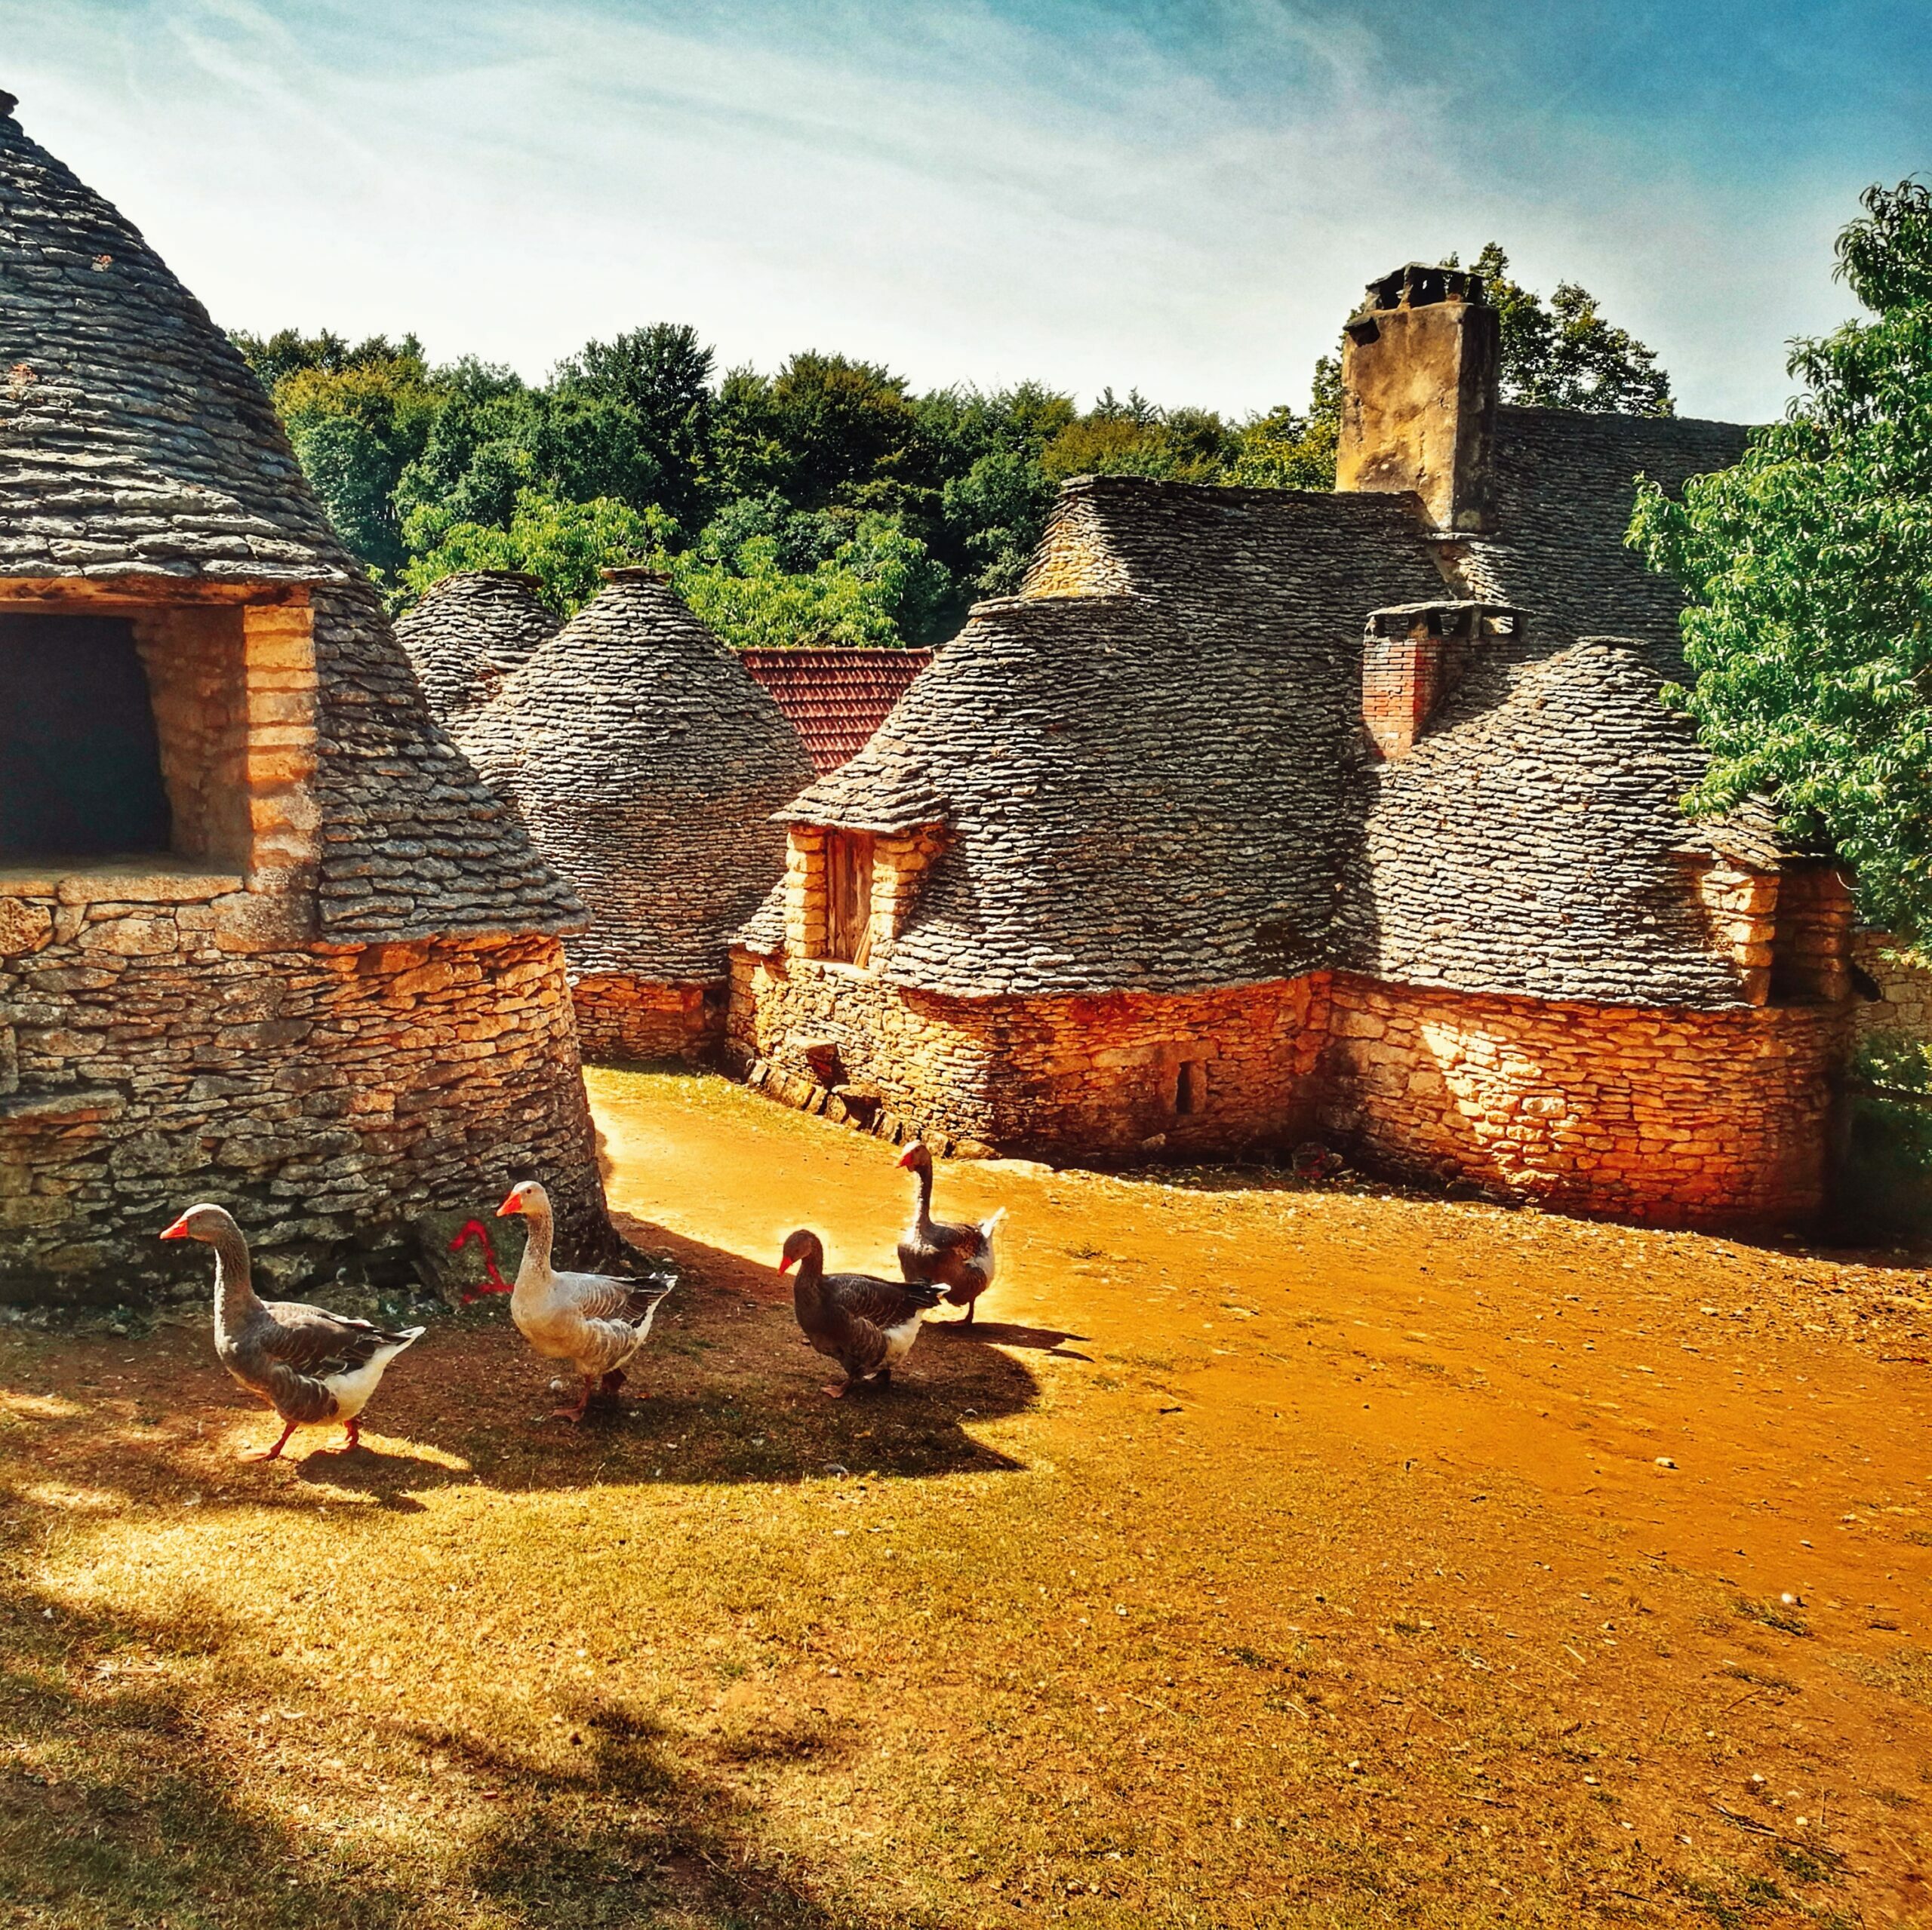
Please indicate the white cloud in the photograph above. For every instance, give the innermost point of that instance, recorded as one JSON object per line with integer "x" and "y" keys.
{"x": 962, "y": 197}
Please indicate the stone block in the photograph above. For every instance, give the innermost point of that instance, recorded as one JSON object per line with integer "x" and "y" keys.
{"x": 25, "y": 925}
{"x": 132, "y": 938}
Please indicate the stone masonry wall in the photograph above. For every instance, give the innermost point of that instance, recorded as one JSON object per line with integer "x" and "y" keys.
{"x": 1666, "y": 1115}
{"x": 1670, "y": 1116}
{"x": 621, "y": 1019}
{"x": 1073, "y": 1077}
{"x": 1903, "y": 1008}
{"x": 147, "y": 1060}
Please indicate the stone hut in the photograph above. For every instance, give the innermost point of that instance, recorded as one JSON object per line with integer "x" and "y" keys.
{"x": 467, "y": 636}
{"x": 1259, "y": 815}
{"x": 647, "y": 765}
{"x": 265, "y": 937}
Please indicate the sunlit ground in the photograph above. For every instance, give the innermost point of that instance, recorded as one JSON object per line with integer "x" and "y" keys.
{"x": 1268, "y": 1556}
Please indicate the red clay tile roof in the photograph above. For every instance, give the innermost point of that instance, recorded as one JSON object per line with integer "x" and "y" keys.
{"x": 835, "y": 699}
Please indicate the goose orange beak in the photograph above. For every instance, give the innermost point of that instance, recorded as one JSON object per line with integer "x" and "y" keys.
{"x": 785, "y": 1265}
{"x": 908, "y": 1155}
{"x": 179, "y": 1230}
{"x": 511, "y": 1205}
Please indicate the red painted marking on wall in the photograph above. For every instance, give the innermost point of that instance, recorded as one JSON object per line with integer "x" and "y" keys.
{"x": 476, "y": 1230}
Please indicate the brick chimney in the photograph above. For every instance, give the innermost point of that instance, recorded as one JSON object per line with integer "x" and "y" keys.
{"x": 1413, "y": 656}
{"x": 1419, "y": 361}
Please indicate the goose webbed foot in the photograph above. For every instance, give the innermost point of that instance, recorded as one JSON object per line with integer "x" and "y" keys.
{"x": 352, "y": 1440}
{"x": 271, "y": 1453}
{"x": 612, "y": 1381}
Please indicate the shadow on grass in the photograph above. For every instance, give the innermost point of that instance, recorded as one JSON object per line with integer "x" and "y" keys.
{"x": 726, "y": 1391}
{"x": 128, "y": 1798}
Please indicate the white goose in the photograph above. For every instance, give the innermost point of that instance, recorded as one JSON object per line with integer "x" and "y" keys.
{"x": 595, "y": 1321}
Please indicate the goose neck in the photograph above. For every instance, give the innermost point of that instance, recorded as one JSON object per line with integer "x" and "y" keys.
{"x": 234, "y": 1294}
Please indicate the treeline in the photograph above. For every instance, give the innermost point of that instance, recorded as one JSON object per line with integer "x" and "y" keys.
{"x": 825, "y": 503}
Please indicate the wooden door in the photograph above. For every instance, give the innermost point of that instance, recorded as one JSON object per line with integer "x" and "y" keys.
{"x": 848, "y": 896}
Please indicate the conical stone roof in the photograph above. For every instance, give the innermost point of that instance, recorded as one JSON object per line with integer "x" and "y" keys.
{"x": 135, "y": 443}
{"x": 470, "y": 633}
{"x": 133, "y": 439}
{"x": 647, "y": 765}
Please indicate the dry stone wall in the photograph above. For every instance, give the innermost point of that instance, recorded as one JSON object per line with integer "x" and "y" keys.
{"x": 1903, "y": 1007}
{"x": 146, "y": 1061}
{"x": 1674, "y": 1117}
{"x": 622, "y": 1020}
{"x": 1115, "y": 1075}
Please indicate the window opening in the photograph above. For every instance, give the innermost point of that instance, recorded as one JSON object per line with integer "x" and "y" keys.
{"x": 848, "y": 896}
{"x": 1191, "y": 1087}
{"x": 80, "y": 757}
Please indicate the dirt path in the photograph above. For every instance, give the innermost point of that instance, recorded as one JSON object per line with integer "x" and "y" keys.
{"x": 1267, "y": 1557}
{"x": 1584, "y": 1449}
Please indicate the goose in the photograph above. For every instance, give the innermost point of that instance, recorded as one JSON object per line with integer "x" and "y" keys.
{"x": 959, "y": 1258}
{"x": 867, "y": 1325}
{"x": 309, "y": 1365}
{"x": 595, "y": 1321}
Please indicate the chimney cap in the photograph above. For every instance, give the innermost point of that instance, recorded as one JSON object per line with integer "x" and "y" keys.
{"x": 1449, "y": 616}
{"x": 634, "y": 572}
{"x": 1418, "y": 284}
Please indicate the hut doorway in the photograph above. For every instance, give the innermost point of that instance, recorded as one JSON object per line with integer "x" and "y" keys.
{"x": 80, "y": 757}
{"x": 848, "y": 896}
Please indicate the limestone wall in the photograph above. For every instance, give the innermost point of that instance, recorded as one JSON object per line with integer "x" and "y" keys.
{"x": 1671, "y": 1116}
{"x": 1121, "y": 1074}
{"x": 1668, "y": 1115}
{"x": 149, "y": 1059}
{"x": 621, "y": 1020}
{"x": 1903, "y": 1008}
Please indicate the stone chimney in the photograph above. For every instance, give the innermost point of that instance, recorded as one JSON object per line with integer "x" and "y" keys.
{"x": 1413, "y": 656}
{"x": 1420, "y": 362}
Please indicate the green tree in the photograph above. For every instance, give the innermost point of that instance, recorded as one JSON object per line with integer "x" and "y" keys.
{"x": 1563, "y": 355}
{"x": 877, "y": 589}
{"x": 1285, "y": 450}
{"x": 565, "y": 545}
{"x": 996, "y": 513}
{"x": 357, "y": 420}
{"x": 1809, "y": 571}
{"x": 1135, "y": 437}
{"x": 660, "y": 378}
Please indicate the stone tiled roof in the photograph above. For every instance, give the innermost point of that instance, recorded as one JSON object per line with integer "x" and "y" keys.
{"x": 135, "y": 442}
{"x": 1153, "y": 771}
{"x": 133, "y": 439}
{"x": 1532, "y": 842}
{"x": 469, "y": 633}
{"x": 647, "y": 765}
{"x": 1145, "y": 785}
{"x": 835, "y": 699}
{"x": 1564, "y": 489}
{"x": 414, "y": 843}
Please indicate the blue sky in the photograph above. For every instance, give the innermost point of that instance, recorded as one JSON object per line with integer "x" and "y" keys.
{"x": 1184, "y": 197}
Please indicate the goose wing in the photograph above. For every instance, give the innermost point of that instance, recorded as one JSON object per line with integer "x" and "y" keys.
{"x": 881, "y": 1303}
{"x": 603, "y": 1297}
{"x": 295, "y": 1351}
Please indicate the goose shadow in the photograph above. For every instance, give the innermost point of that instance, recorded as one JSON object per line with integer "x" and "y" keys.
{"x": 1050, "y": 1340}
{"x": 643, "y": 1823}
{"x": 727, "y": 1391}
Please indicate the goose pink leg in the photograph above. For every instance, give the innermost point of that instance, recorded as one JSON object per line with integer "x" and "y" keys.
{"x": 271, "y": 1453}
{"x": 574, "y": 1414}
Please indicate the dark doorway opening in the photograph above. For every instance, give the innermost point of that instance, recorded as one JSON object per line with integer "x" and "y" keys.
{"x": 80, "y": 761}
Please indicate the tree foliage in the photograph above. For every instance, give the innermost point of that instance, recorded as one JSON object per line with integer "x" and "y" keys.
{"x": 827, "y": 500}
{"x": 1809, "y": 571}
{"x": 1564, "y": 354}
{"x": 564, "y": 544}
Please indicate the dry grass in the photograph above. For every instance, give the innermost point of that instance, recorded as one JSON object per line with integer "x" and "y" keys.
{"x": 1265, "y": 1563}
